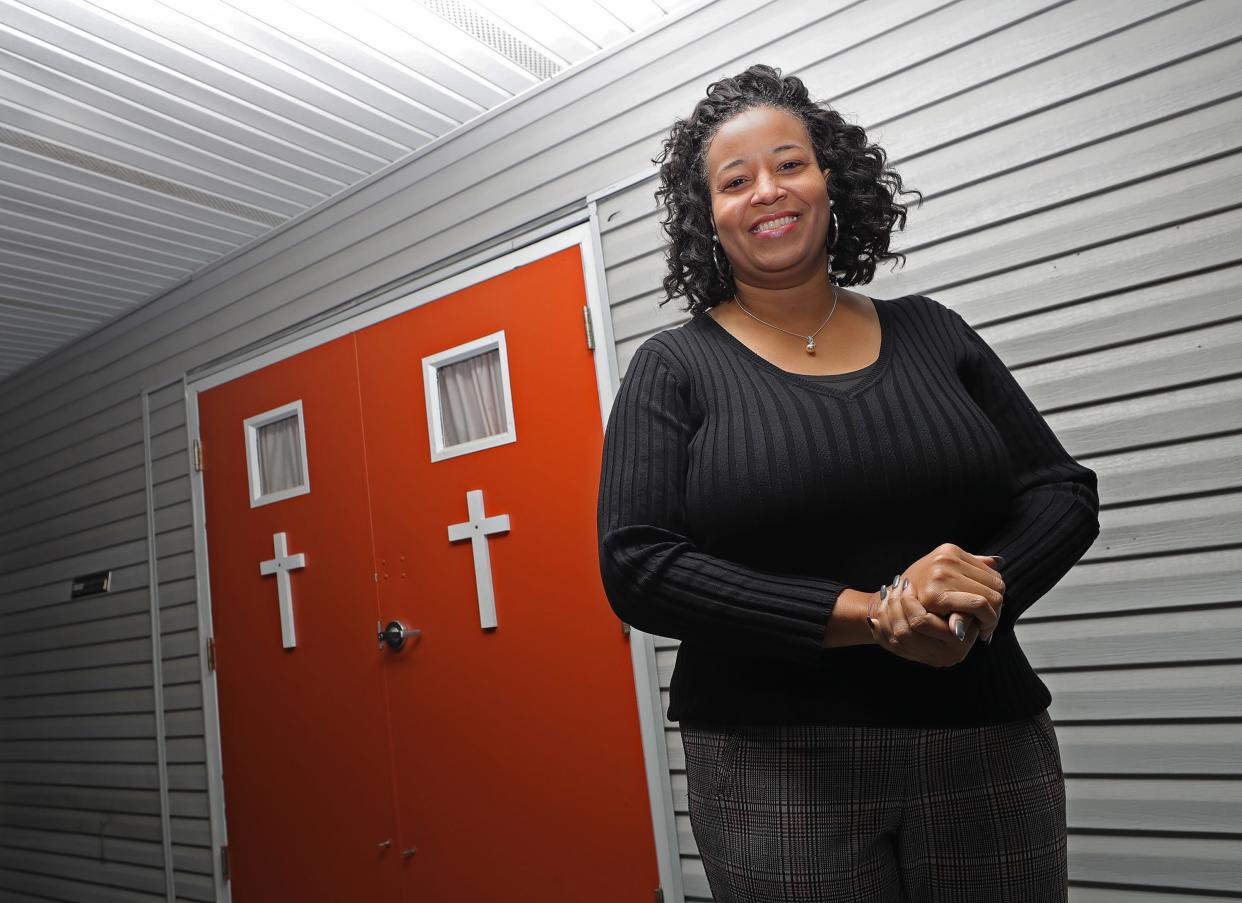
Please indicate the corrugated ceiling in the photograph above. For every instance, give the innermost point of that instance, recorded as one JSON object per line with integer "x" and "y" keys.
{"x": 141, "y": 141}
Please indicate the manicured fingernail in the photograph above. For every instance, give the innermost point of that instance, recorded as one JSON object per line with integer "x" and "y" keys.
{"x": 883, "y": 592}
{"x": 896, "y": 578}
{"x": 960, "y": 629}
{"x": 998, "y": 558}
{"x": 905, "y": 584}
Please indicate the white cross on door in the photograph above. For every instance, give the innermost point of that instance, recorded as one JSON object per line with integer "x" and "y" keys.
{"x": 477, "y": 529}
{"x": 281, "y": 565}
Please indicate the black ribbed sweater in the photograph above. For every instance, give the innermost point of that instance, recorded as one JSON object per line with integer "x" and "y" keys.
{"x": 737, "y": 500}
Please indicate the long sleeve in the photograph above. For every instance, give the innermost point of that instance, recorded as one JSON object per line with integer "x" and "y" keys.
{"x": 653, "y": 575}
{"x": 1054, "y": 517}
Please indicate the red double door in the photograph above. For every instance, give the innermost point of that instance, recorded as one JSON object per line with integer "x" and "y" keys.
{"x": 473, "y": 764}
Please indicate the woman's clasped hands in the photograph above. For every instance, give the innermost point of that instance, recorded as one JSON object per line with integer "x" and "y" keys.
{"x": 915, "y": 617}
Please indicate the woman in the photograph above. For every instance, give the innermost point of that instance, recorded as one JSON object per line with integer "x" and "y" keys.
{"x": 771, "y": 461}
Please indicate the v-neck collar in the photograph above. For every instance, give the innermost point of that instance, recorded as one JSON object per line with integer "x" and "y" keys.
{"x": 866, "y": 376}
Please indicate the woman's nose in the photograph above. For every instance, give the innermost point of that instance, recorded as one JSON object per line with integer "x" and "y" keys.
{"x": 767, "y": 189}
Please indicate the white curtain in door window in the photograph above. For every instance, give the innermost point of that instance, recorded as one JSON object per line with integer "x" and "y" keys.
{"x": 280, "y": 455}
{"x": 472, "y": 398}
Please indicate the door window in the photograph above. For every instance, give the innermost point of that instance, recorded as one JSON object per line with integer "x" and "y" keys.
{"x": 276, "y": 454}
{"x": 469, "y": 402}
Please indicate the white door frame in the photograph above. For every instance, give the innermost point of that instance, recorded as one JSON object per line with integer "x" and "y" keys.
{"x": 585, "y": 236}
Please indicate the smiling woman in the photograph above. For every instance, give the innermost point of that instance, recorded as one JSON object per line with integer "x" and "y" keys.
{"x": 841, "y": 744}
{"x": 807, "y": 141}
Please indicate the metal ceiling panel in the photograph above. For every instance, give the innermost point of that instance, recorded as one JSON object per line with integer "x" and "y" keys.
{"x": 141, "y": 141}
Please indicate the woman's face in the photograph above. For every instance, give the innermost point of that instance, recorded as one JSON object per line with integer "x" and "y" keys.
{"x": 769, "y": 198}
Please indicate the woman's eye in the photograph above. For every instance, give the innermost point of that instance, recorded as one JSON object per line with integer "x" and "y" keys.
{"x": 789, "y": 163}
{"x": 738, "y": 181}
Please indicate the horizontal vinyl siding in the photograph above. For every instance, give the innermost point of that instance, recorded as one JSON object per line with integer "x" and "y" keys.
{"x": 1084, "y": 213}
{"x": 79, "y": 782}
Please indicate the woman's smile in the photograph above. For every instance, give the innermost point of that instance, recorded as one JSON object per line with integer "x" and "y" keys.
{"x": 775, "y": 226}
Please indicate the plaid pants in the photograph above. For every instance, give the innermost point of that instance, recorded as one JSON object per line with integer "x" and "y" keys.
{"x": 819, "y": 813}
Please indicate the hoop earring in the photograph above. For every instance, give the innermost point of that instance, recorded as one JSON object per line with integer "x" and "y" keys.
{"x": 720, "y": 268}
{"x": 834, "y": 275}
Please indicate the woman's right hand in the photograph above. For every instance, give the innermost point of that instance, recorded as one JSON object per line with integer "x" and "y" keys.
{"x": 949, "y": 579}
{"x": 906, "y": 629}
{"x": 945, "y": 585}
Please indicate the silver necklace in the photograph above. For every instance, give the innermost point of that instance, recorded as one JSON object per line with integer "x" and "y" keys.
{"x": 810, "y": 339}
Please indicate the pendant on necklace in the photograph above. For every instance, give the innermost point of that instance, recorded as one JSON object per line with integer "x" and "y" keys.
{"x": 810, "y": 345}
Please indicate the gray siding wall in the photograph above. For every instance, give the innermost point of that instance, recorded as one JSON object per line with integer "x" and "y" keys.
{"x": 83, "y": 815}
{"x": 1081, "y": 172}
{"x": 1079, "y": 161}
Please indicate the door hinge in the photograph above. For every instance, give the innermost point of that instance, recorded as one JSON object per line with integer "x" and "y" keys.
{"x": 198, "y": 456}
{"x": 590, "y": 328}
{"x": 211, "y": 653}
{"x": 659, "y": 895}
{"x": 224, "y": 862}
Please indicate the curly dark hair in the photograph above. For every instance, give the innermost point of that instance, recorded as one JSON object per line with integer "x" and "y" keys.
{"x": 863, "y": 190}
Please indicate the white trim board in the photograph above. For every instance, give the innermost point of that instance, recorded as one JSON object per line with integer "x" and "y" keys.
{"x": 157, "y": 654}
{"x": 207, "y": 677}
{"x": 585, "y": 236}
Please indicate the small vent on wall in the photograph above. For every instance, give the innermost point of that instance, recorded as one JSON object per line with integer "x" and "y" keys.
{"x": 494, "y": 36}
